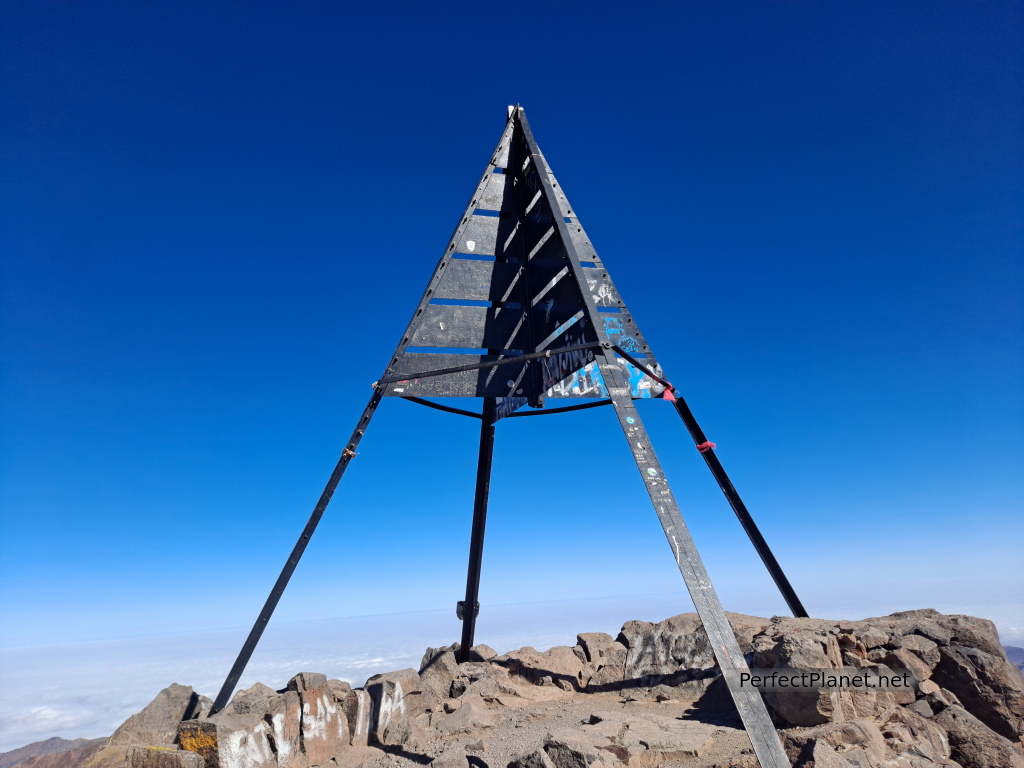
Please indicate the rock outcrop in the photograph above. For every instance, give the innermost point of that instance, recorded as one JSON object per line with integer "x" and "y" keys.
{"x": 651, "y": 696}
{"x": 52, "y": 753}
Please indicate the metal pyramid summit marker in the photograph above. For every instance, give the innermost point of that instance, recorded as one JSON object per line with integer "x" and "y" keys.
{"x": 519, "y": 277}
{"x": 521, "y": 309}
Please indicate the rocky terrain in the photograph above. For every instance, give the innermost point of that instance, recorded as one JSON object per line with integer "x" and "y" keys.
{"x": 52, "y": 746}
{"x": 653, "y": 696}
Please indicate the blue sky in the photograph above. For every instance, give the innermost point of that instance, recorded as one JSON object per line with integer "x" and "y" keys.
{"x": 216, "y": 219}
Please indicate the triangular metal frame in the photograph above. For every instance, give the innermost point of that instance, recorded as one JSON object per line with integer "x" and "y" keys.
{"x": 520, "y": 309}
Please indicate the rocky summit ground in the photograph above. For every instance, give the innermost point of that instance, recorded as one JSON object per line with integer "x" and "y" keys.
{"x": 653, "y": 696}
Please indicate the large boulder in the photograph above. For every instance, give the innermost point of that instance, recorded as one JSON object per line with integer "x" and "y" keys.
{"x": 156, "y": 725}
{"x": 559, "y": 666}
{"x": 401, "y": 707}
{"x": 162, "y": 757}
{"x": 357, "y": 707}
{"x": 438, "y": 669}
{"x": 987, "y": 684}
{"x": 975, "y": 745}
{"x": 323, "y": 726}
{"x": 858, "y": 742}
{"x": 301, "y": 727}
{"x": 605, "y": 658}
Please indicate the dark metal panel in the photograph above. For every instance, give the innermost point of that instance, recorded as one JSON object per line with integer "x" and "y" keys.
{"x": 479, "y": 236}
{"x": 500, "y": 156}
{"x": 478, "y": 281}
{"x": 498, "y": 193}
{"x": 485, "y": 382}
{"x": 602, "y": 290}
{"x": 444, "y": 325}
{"x": 582, "y": 243}
{"x": 588, "y": 382}
{"x": 619, "y": 329}
{"x": 507, "y": 406}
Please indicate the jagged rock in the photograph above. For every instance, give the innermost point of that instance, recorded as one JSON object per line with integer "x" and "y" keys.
{"x": 157, "y": 724}
{"x": 251, "y": 701}
{"x": 987, "y": 685}
{"x": 307, "y": 681}
{"x": 926, "y": 650}
{"x": 162, "y": 757}
{"x": 922, "y": 707}
{"x": 606, "y": 657}
{"x": 339, "y": 689}
{"x": 293, "y": 729}
{"x": 446, "y": 706}
{"x": 568, "y": 749}
{"x": 482, "y": 653}
{"x": 909, "y": 734}
{"x": 230, "y": 740}
{"x": 823, "y": 755}
{"x": 806, "y": 651}
{"x": 658, "y": 652}
{"x": 648, "y": 740}
{"x": 438, "y": 669}
{"x": 358, "y": 710}
{"x": 536, "y": 759}
{"x": 360, "y": 757}
{"x": 471, "y": 715}
{"x": 324, "y": 731}
{"x": 556, "y": 665}
{"x": 857, "y": 742}
{"x": 284, "y": 713}
{"x": 874, "y": 638}
{"x": 487, "y": 680}
{"x": 902, "y": 658}
{"x": 975, "y": 745}
{"x": 742, "y": 760}
{"x": 398, "y": 700}
{"x": 453, "y": 756}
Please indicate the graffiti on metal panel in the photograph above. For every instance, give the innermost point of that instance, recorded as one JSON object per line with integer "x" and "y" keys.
{"x": 616, "y": 334}
{"x": 602, "y": 294}
{"x": 558, "y": 367}
{"x": 505, "y": 406}
{"x": 588, "y": 382}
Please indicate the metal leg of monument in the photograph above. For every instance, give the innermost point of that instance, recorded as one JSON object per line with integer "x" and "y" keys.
{"x": 471, "y": 606}
{"x": 751, "y": 707}
{"x": 293, "y": 559}
{"x": 708, "y": 452}
{"x": 707, "y": 449}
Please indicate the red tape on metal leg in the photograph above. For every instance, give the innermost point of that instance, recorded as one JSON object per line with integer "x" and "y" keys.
{"x": 705, "y": 447}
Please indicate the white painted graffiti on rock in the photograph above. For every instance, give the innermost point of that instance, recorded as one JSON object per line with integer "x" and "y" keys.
{"x": 248, "y": 749}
